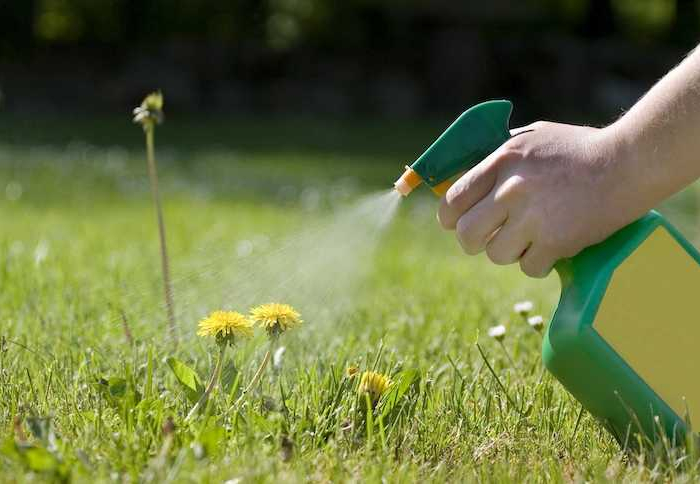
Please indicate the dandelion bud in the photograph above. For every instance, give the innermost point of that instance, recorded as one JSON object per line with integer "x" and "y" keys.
{"x": 351, "y": 371}
{"x": 374, "y": 384}
{"x": 497, "y": 332}
{"x": 523, "y": 308}
{"x": 150, "y": 112}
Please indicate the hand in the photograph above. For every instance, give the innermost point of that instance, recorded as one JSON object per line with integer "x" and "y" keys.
{"x": 545, "y": 194}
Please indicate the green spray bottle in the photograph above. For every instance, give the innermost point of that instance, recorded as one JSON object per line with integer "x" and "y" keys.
{"x": 624, "y": 337}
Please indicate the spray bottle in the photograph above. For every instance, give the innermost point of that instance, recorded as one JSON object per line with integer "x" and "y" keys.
{"x": 624, "y": 337}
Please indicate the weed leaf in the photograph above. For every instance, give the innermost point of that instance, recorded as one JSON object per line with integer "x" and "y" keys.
{"x": 403, "y": 382}
{"x": 188, "y": 378}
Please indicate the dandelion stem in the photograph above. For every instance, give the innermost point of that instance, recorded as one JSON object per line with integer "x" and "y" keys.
{"x": 510, "y": 360}
{"x": 153, "y": 175}
{"x": 210, "y": 386}
{"x": 258, "y": 374}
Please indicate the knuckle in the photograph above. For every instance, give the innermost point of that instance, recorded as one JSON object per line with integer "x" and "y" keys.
{"x": 511, "y": 151}
{"x": 497, "y": 256}
{"x": 454, "y": 192}
{"x": 513, "y": 187}
{"x": 469, "y": 247}
{"x": 461, "y": 188}
{"x": 467, "y": 236}
{"x": 540, "y": 124}
{"x": 445, "y": 217}
{"x": 532, "y": 269}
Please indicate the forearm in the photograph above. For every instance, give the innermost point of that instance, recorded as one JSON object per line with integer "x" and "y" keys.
{"x": 659, "y": 138}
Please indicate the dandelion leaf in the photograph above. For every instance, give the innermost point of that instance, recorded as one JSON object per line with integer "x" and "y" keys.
{"x": 188, "y": 378}
{"x": 117, "y": 387}
{"x": 402, "y": 383}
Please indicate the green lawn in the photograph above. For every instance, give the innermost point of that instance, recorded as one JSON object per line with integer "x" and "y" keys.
{"x": 252, "y": 211}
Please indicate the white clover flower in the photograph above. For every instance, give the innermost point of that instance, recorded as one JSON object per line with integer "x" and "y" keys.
{"x": 523, "y": 308}
{"x": 497, "y": 332}
{"x": 536, "y": 322}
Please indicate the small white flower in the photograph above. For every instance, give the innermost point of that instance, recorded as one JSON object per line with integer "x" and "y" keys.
{"x": 497, "y": 332}
{"x": 523, "y": 308}
{"x": 536, "y": 322}
{"x": 277, "y": 358}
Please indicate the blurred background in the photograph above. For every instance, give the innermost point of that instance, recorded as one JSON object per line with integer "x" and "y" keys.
{"x": 295, "y": 105}
{"x": 574, "y": 60}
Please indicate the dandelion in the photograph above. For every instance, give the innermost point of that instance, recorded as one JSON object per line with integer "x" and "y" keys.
{"x": 373, "y": 384}
{"x": 497, "y": 332}
{"x": 523, "y": 308}
{"x": 225, "y": 327}
{"x": 536, "y": 322}
{"x": 351, "y": 371}
{"x": 148, "y": 114}
{"x": 275, "y": 318}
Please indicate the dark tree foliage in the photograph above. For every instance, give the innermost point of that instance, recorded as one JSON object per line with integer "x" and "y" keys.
{"x": 281, "y": 23}
{"x": 600, "y": 19}
{"x": 17, "y": 33}
{"x": 685, "y": 28}
{"x": 338, "y": 56}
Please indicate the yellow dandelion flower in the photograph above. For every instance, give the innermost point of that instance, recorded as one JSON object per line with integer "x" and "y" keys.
{"x": 276, "y": 318}
{"x": 225, "y": 325}
{"x": 375, "y": 384}
{"x": 351, "y": 371}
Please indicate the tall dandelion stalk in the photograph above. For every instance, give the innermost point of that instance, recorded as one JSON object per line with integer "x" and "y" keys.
{"x": 148, "y": 114}
{"x": 226, "y": 327}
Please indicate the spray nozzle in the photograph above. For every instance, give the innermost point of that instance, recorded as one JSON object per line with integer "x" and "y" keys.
{"x": 469, "y": 139}
{"x": 407, "y": 182}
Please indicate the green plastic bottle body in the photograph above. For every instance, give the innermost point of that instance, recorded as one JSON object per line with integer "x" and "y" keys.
{"x": 576, "y": 352}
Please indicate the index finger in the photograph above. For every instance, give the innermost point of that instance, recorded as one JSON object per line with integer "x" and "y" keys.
{"x": 466, "y": 192}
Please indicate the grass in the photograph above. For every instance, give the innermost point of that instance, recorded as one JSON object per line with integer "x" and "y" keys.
{"x": 84, "y": 383}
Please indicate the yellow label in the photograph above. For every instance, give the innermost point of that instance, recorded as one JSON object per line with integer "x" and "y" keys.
{"x": 650, "y": 315}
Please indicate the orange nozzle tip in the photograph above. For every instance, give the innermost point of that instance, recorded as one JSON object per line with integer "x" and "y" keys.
{"x": 407, "y": 182}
